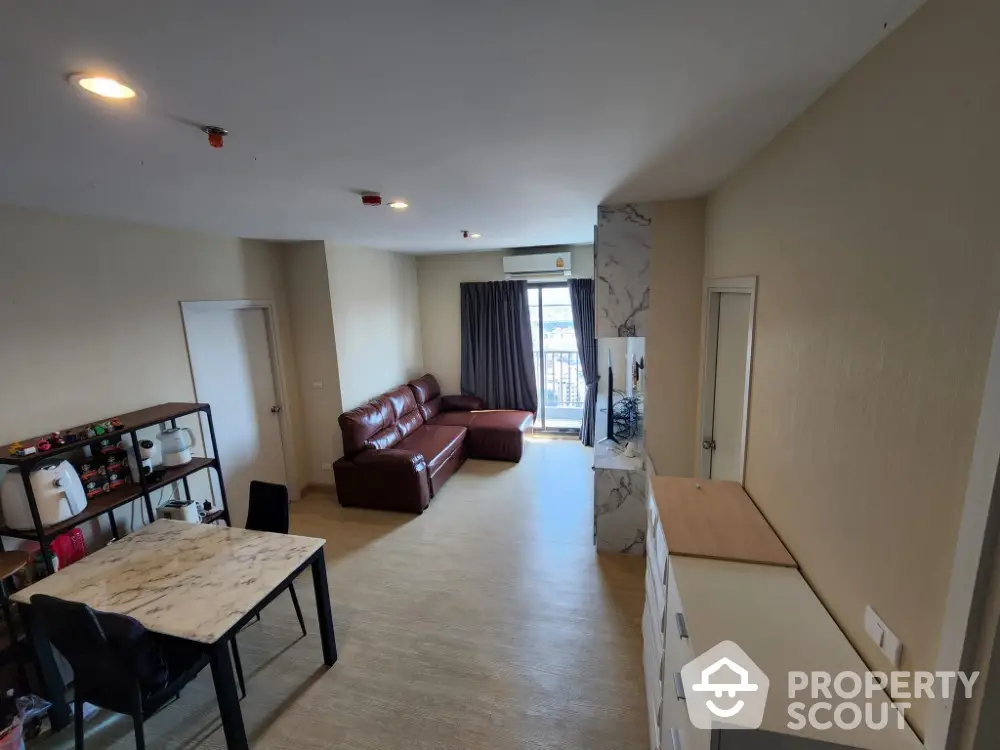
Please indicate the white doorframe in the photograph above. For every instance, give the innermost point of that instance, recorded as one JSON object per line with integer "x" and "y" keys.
{"x": 972, "y": 574}
{"x": 277, "y": 370}
{"x": 714, "y": 289}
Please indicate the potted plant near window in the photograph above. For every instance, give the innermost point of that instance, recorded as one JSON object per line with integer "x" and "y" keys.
{"x": 627, "y": 415}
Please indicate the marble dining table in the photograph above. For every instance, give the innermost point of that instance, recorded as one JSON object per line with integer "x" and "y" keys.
{"x": 198, "y": 582}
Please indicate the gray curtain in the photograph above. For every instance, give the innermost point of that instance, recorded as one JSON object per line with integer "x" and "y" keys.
{"x": 497, "y": 364}
{"x": 581, "y": 298}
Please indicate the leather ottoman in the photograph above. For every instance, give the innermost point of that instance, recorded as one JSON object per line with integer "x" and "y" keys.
{"x": 493, "y": 434}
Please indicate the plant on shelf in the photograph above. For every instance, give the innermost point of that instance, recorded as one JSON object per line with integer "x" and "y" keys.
{"x": 627, "y": 415}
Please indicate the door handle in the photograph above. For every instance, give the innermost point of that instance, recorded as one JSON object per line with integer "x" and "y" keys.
{"x": 276, "y": 408}
{"x": 708, "y": 445}
{"x": 679, "y": 686}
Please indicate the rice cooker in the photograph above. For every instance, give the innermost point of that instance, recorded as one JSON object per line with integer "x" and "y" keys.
{"x": 58, "y": 491}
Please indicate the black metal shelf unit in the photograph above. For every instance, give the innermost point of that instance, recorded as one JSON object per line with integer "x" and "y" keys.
{"x": 109, "y": 501}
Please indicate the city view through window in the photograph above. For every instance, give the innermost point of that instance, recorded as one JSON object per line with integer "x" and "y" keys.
{"x": 561, "y": 386}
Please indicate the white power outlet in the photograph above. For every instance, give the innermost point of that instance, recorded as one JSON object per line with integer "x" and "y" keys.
{"x": 884, "y": 638}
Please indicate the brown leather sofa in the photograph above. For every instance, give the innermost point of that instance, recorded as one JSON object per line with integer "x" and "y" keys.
{"x": 400, "y": 447}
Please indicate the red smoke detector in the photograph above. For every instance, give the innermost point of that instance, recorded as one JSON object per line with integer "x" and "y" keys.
{"x": 371, "y": 199}
{"x": 215, "y": 135}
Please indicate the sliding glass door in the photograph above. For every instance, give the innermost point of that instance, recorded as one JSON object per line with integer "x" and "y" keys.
{"x": 561, "y": 387}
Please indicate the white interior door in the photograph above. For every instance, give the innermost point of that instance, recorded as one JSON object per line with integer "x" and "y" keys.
{"x": 232, "y": 366}
{"x": 730, "y": 315}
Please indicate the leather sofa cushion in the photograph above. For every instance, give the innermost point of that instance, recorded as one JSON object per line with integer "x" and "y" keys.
{"x": 502, "y": 419}
{"x": 435, "y": 442}
{"x": 375, "y": 420}
{"x": 382, "y": 422}
{"x": 462, "y": 402}
{"x": 430, "y": 402}
{"x": 409, "y": 422}
{"x": 427, "y": 393}
{"x": 431, "y": 409}
{"x": 493, "y": 434}
{"x": 402, "y": 400}
{"x": 454, "y": 418}
{"x": 383, "y": 439}
{"x": 425, "y": 388}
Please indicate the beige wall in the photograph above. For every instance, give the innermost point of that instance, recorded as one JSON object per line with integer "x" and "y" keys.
{"x": 872, "y": 223}
{"x": 376, "y": 319}
{"x": 439, "y": 278}
{"x": 311, "y": 323}
{"x": 674, "y": 342}
{"x": 91, "y": 316}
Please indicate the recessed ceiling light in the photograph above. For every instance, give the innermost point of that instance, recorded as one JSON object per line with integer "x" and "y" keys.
{"x": 109, "y": 88}
{"x": 399, "y": 204}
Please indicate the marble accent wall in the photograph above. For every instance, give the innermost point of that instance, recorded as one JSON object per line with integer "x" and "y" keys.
{"x": 620, "y": 511}
{"x": 622, "y": 259}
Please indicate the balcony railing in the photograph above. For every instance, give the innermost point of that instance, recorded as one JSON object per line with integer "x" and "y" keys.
{"x": 561, "y": 388}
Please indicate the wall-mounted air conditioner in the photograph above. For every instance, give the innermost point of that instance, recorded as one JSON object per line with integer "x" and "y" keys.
{"x": 539, "y": 264}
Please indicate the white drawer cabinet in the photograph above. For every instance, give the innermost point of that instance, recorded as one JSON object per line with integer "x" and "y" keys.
{"x": 677, "y": 639}
{"x": 773, "y": 615}
{"x": 656, "y": 608}
{"x": 716, "y": 571}
{"x": 653, "y": 620}
{"x": 676, "y": 731}
{"x": 653, "y": 667}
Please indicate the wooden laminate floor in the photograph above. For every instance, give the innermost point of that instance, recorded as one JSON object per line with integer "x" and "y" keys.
{"x": 487, "y": 622}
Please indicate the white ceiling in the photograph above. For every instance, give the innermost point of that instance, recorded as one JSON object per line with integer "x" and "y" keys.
{"x": 514, "y": 118}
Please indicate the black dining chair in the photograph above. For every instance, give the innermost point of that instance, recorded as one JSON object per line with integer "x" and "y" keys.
{"x": 269, "y": 511}
{"x": 117, "y": 664}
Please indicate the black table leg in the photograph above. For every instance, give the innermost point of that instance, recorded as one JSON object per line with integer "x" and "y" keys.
{"x": 326, "y": 635}
{"x": 48, "y": 671}
{"x": 229, "y": 699}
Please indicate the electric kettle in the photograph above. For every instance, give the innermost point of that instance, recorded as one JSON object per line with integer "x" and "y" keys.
{"x": 175, "y": 445}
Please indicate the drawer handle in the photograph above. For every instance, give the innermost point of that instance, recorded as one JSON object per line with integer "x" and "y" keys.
{"x": 675, "y": 739}
{"x": 679, "y": 686}
{"x": 682, "y": 628}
